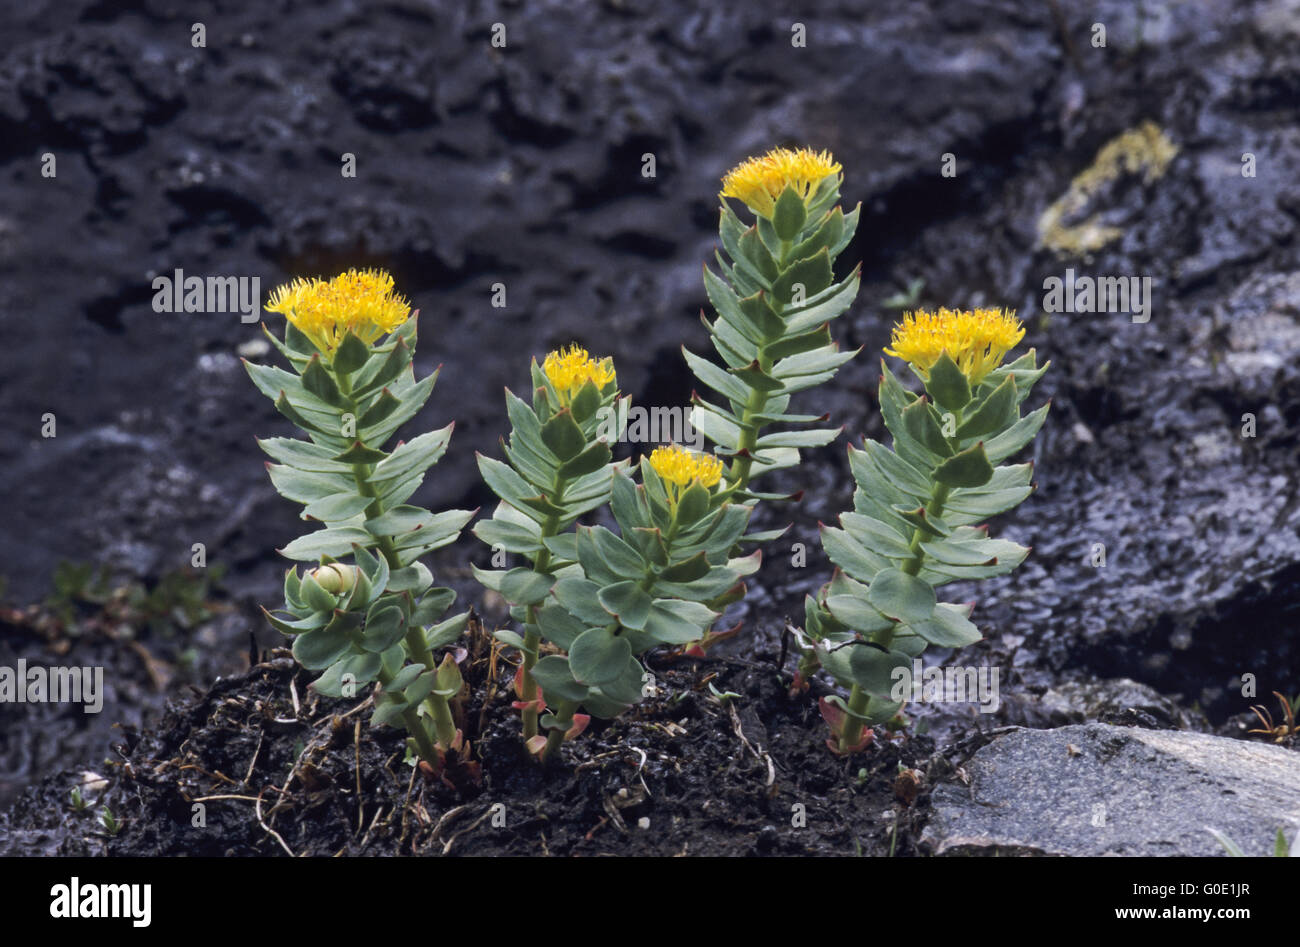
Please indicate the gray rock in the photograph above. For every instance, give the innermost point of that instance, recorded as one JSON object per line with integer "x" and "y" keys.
{"x": 1096, "y": 789}
{"x": 1120, "y": 701}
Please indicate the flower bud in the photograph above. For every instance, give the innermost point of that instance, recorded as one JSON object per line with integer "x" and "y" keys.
{"x": 336, "y": 578}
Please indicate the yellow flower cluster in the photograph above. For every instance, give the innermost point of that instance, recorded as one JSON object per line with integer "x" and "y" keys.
{"x": 977, "y": 341}
{"x": 758, "y": 182}
{"x": 359, "y": 301}
{"x": 571, "y": 368}
{"x": 679, "y": 466}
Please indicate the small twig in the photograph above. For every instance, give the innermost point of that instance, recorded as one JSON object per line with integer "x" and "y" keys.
{"x": 597, "y": 826}
{"x": 448, "y": 816}
{"x": 253, "y": 762}
{"x": 406, "y": 809}
{"x": 359, "y": 707}
{"x": 759, "y": 754}
{"x": 158, "y": 676}
{"x": 215, "y": 774}
{"x": 270, "y": 831}
{"x": 595, "y": 761}
{"x": 477, "y": 822}
{"x": 373, "y": 822}
{"x": 361, "y": 803}
{"x": 607, "y": 803}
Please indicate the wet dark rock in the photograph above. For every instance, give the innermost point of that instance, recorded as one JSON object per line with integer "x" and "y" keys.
{"x": 1103, "y": 790}
{"x": 475, "y": 165}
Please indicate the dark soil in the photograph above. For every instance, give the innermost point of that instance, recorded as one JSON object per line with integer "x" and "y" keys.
{"x": 685, "y": 773}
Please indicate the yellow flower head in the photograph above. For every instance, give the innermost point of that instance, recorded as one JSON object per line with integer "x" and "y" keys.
{"x": 679, "y": 468}
{"x": 571, "y": 368}
{"x": 360, "y": 301}
{"x": 758, "y": 182}
{"x": 976, "y": 341}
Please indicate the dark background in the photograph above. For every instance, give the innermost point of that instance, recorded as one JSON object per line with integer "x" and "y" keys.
{"x": 523, "y": 165}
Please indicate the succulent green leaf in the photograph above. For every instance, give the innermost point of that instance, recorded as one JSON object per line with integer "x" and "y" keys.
{"x": 901, "y": 596}
{"x": 920, "y": 422}
{"x": 754, "y": 252}
{"x": 932, "y": 526}
{"x": 619, "y": 556}
{"x": 1010, "y": 441}
{"x": 414, "y": 578}
{"x": 947, "y": 385}
{"x": 385, "y": 626}
{"x": 789, "y": 214}
{"x": 337, "y": 507}
{"x": 673, "y": 621}
{"x": 317, "y": 379}
{"x": 556, "y": 679}
{"x": 826, "y": 236}
{"x": 563, "y": 436}
{"x": 351, "y": 354}
{"x": 445, "y": 632}
{"x": 512, "y": 537}
{"x": 873, "y": 668}
{"x": 850, "y": 555}
{"x": 316, "y": 650}
{"x": 688, "y": 570}
{"x": 693, "y": 504}
{"x": 524, "y": 586}
{"x": 824, "y": 307}
{"x": 593, "y": 458}
{"x": 578, "y": 596}
{"x": 558, "y": 626}
{"x": 947, "y": 627}
{"x": 627, "y": 602}
{"x": 970, "y": 468}
{"x": 858, "y": 614}
{"x": 381, "y": 372}
{"x": 810, "y": 341}
{"x": 334, "y": 541}
{"x": 994, "y": 413}
{"x": 412, "y": 457}
{"x": 598, "y": 656}
{"x": 813, "y": 274}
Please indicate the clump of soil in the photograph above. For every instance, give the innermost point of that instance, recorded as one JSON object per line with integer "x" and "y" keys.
{"x": 259, "y": 765}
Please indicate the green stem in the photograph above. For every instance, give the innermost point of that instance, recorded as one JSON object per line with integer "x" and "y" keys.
{"x": 933, "y": 509}
{"x": 416, "y": 646}
{"x": 741, "y": 467}
{"x": 851, "y": 732}
{"x": 532, "y": 642}
{"x": 564, "y": 714}
{"x": 443, "y": 723}
{"x": 743, "y": 462}
{"x": 414, "y": 726}
{"x": 361, "y": 474}
{"x": 533, "y": 639}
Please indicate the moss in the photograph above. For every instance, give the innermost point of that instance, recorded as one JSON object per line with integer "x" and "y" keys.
{"x": 1144, "y": 150}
